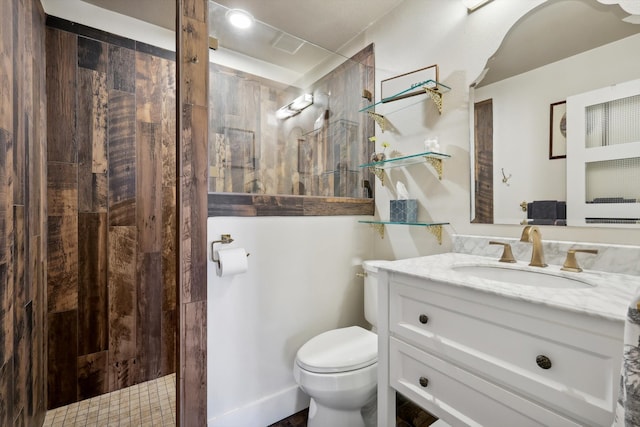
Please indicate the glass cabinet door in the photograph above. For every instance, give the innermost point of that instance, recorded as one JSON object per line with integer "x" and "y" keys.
{"x": 603, "y": 156}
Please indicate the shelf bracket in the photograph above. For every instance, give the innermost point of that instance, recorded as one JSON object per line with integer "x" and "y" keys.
{"x": 436, "y": 230}
{"x": 435, "y": 96}
{"x": 379, "y": 119}
{"x": 379, "y": 228}
{"x": 437, "y": 165}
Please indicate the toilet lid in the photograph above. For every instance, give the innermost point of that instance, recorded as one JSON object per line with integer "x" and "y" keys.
{"x": 339, "y": 350}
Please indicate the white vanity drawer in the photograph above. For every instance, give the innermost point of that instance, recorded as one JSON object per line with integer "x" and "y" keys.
{"x": 503, "y": 344}
{"x": 459, "y": 397}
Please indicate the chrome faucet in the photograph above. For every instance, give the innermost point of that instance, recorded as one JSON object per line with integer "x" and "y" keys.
{"x": 531, "y": 233}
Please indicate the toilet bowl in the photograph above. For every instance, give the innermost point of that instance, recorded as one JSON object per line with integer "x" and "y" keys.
{"x": 338, "y": 369}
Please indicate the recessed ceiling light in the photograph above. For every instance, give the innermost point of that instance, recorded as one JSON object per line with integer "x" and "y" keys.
{"x": 239, "y": 18}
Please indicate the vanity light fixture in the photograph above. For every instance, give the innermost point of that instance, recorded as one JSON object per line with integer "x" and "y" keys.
{"x": 473, "y": 5}
{"x": 294, "y": 108}
{"x": 240, "y": 18}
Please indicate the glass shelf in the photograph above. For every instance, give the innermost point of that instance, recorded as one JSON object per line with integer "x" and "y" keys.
{"x": 405, "y": 160}
{"x": 434, "y": 89}
{"x": 431, "y": 157}
{"x": 427, "y": 85}
{"x": 434, "y": 228}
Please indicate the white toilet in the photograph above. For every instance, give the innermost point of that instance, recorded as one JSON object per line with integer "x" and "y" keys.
{"x": 338, "y": 369}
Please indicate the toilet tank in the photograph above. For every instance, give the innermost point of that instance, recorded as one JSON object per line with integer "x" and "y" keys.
{"x": 371, "y": 290}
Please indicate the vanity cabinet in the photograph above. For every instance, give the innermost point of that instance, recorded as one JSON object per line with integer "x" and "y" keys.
{"x": 472, "y": 357}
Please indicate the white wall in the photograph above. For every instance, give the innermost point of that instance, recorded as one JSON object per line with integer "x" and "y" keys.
{"x": 301, "y": 281}
{"x": 417, "y": 34}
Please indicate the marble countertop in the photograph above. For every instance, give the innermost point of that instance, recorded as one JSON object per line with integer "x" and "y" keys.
{"x": 608, "y": 295}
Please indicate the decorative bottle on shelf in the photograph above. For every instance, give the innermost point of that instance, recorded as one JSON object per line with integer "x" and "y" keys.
{"x": 379, "y": 157}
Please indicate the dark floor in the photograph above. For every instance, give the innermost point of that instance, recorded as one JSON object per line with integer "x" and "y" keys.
{"x": 407, "y": 415}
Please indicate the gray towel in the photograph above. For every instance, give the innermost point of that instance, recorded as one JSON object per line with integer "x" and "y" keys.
{"x": 541, "y": 222}
{"x": 562, "y": 210}
{"x": 544, "y": 209}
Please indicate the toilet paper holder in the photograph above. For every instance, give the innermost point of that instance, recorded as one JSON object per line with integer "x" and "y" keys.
{"x": 224, "y": 239}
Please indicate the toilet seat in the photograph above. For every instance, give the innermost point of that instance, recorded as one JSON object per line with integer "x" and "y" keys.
{"x": 339, "y": 350}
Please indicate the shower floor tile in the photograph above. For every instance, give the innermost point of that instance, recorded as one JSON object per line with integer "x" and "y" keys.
{"x": 152, "y": 403}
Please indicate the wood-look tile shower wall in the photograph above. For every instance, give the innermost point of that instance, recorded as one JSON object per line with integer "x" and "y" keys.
{"x": 315, "y": 153}
{"x": 22, "y": 213}
{"x": 111, "y": 212}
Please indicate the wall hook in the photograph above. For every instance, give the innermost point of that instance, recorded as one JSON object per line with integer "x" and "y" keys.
{"x": 505, "y": 178}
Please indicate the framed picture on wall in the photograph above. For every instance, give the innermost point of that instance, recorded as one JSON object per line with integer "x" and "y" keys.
{"x": 558, "y": 131}
{"x": 408, "y": 84}
{"x": 242, "y": 147}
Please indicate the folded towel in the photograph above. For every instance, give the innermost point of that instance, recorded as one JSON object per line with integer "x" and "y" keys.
{"x": 627, "y": 410}
{"x": 544, "y": 209}
{"x": 561, "y": 210}
{"x": 541, "y": 222}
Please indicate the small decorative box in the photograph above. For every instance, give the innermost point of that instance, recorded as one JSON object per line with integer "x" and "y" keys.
{"x": 404, "y": 210}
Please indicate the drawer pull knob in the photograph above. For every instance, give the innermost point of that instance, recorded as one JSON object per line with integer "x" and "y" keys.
{"x": 424, "y": 382}
{"x": 424, "y": 319}
{"x": 543, "y": 361}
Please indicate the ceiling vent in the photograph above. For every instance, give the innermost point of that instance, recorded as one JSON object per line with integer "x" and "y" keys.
{"x": 287, "y": 43}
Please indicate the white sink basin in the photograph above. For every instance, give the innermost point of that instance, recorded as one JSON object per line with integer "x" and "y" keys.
{"x": 521, "y": 277}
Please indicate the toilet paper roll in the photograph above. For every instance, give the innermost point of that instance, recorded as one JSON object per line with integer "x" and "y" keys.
{"x": 232, "y": 261}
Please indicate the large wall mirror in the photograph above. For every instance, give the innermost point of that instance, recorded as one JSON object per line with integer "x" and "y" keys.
{"x": 285, "y": 132}
{"x": 559, "y": 49}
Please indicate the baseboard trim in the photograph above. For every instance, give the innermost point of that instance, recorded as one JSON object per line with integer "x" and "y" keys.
{"x": 265, "y": 411}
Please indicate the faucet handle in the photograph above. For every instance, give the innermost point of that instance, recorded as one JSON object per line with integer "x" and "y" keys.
{"x": 571, "y": 263}
{"x": 507, "y": 255}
